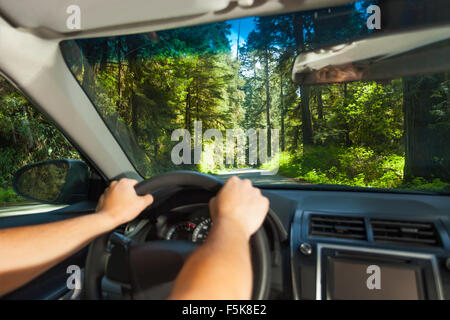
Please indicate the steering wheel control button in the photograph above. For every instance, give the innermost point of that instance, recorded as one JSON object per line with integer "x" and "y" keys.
{"x": 305, "y": 249}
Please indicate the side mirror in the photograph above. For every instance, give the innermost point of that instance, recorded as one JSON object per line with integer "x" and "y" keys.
{"x": 55, "y": 181}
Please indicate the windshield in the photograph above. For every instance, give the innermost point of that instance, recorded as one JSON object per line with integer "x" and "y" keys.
{"x": 219, "y": 98}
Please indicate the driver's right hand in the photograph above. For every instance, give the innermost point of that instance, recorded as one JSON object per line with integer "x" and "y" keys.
{"x": 241, "y": 205}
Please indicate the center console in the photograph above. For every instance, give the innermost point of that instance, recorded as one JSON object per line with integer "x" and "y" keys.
{"x": 349, "y": 273}
{"x": 338, "y": 256}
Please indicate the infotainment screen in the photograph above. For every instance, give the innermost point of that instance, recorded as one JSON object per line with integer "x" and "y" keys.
{"x": 350, "y": 279}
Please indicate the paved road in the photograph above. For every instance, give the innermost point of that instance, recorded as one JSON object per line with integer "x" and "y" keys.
{"x": 258, "y": 176}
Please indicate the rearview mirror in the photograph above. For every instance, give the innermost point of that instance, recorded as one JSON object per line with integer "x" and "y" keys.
{"x": 56, "y": 181}
{"x": 378, "y": 58}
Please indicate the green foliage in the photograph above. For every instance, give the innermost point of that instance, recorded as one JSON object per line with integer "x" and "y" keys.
{"x": 25, "y": 137}
{"x": 210, "y": 162}
{"x": 419, "y": 183}
{"x": 145, "y": 86}
{"x": 146, "y": 89}
{"x": 354, "y": 167}
{"x": 336, "y": 165}
{"x": 8, "y": 195}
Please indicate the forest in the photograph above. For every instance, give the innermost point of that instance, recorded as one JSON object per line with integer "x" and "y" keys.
{"x": 237, "y": 74}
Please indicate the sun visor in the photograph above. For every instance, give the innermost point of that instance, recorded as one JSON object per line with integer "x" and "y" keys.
{"x": 60, "y": 16}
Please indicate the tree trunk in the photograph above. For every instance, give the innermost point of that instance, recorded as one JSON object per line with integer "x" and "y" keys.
{"x": 238, "y": 40}
{"x": 104, "y": 59}
{"x": 133, "y": 82}
{"x": 268, "y": 102}
{"x": 304, "y": 90}
{"x": 420, "y": 148}
{"x": 187, "y": 114}
{"x": 306, "y": 116}
{"x": 88, "y": 70}
{"x": 119, "y": 71}
{"x": 134, "y": 114}
{"x": 319, "y": 103}
{"x": 197, "y": 101}
{"x": 282, "y": 114}
{"x": 348, "y": 141}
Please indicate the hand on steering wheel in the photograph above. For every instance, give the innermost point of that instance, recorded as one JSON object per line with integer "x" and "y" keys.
{"x": 155, "y": 264}
{"x": 120, "y": 203}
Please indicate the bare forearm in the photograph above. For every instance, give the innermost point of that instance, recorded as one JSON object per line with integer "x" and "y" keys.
{"x": 29, "y": 251}
{"x": 220, "y": 269}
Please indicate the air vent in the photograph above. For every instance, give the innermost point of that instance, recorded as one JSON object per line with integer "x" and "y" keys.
{"x": 337, "y": 227}
{"x": 405, "y": 232}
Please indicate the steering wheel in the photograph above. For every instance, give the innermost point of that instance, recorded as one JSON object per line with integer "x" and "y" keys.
{"x": 148, "y": 270}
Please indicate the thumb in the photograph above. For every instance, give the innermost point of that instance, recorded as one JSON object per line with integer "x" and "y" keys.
{"x": 212, "y": 202}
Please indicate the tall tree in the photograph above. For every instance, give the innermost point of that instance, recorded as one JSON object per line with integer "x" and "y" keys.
{"x": 422, "y": 153}
{"x": 262, "y": 42}
{"x": 300, "y": 25}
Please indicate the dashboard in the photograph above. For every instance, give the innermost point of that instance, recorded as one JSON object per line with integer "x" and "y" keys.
{"x": 324, "y": 244}
{"x": 367, "y": 245}
{"x": 182, "y": 215}
{"x": 190, "y": 223}
{"x": 333, "y": 244}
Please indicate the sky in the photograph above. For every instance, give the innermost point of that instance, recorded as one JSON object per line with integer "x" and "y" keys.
{"x": 247, "y": 25}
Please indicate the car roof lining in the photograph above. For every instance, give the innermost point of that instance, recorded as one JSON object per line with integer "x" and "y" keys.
{"x": 108, "y": 18}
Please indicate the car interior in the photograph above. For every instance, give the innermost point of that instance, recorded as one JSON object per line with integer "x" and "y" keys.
{"x": 319, "y": 240}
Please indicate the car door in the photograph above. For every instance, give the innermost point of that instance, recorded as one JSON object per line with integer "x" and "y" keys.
{"x": 27, "y": 137}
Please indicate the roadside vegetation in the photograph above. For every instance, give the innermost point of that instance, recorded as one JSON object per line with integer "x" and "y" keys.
{"x": 25, "y": 137}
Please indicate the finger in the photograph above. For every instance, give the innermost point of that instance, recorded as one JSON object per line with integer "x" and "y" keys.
{"x": 133, "y": 182}
{"x": 212, "y": 202}
{"x": 129, "y": 181}
{"x": 113, "y": 183}
{"x": 148, "y": 199}
{"x": 100, "y": 202}
{"x": 233, "y": 179}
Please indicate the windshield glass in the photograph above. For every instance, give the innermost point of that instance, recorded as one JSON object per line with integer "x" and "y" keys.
{"x": 219, "y": 98}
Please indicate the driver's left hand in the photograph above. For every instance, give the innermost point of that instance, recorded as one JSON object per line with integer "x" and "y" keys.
{"x": 120, "y": 203}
